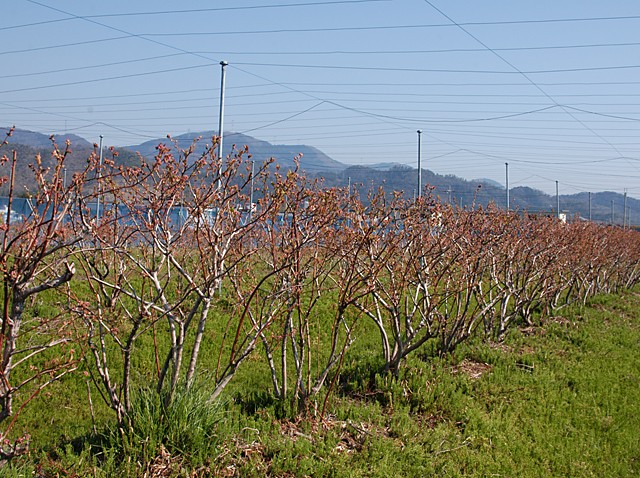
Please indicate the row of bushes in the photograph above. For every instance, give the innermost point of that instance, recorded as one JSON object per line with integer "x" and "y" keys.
{"x": 296, "y": 280}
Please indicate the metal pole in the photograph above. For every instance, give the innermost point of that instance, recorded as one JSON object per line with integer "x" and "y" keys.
{"x": 589, "y": 205}
{"x": 223, "y": 75}
{"x": 99, "y": 177}
{"x": 628, "y": 217}
{"x": 253, "y": 171}
{"x": 419, "y": 164}
{"x": 64, "y": 188}
{"x": 557, "y": 201}
{"x": 507, "y": 183}
{"x": 624, "y": 211}
{"x": 612, "y": 212}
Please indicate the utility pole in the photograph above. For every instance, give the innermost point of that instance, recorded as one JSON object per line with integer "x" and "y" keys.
{"x": 589, "y": 206}
{"x": 223, "y": 64}
{"x": 507, "y": 183}
{"x": 99, "y": 188}
{"x": 419, "y": 164}
{"x": 557, "y": 200}
{"x": 450, "y": 191}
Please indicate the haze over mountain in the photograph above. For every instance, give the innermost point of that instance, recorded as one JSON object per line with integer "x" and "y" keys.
{"x": 605, "y": 206}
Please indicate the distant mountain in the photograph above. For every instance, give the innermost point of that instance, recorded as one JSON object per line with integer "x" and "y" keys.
{"x": 605, "y": 206}
{"x": 449, "y": 188}
{"x": 313, "y": 160}
{"x": 40, "y": 140}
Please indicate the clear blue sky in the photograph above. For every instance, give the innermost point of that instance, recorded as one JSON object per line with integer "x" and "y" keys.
{"x": 551, "y": 87}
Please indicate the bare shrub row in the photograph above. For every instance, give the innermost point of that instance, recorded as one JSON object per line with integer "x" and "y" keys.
{"x": 168, "y": 274}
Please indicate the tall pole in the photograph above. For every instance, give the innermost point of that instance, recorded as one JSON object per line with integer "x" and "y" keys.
{"x": 612, "y": 212}
{"x": 419, "y": 163}
{"x": 223, "y": 65}
{"x": 589, "y": 205}
{"x": 253, "y": 172}
{"x": 624, "y": 211}
{"x": 223, "y": 75}
{"x": 557, "y": 201}
{"x": 628, "y": 217}
{"x": 507, "y": 183}
{"x": 64, "y": 188}
{"x": 99, "y": 177}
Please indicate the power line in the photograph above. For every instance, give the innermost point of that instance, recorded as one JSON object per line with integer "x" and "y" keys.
{"x": 91, "y": 67}
{"x": 119, "y": 30}
{"x": 441, "y": 70}
{"x": 524, "y": 74}
{"x": 109, "y": 78}
{"x": 281, "y": 120}
{"x": 626, "y": 118}
{"x": 193, "y": 10}
{"x": 280, "y": 65}
{"x": 430, "y": 120}
{"x": 463, "y": 84}
{"x": 135, "y": 95}
{"x": 65, "y": 45}
{"x": 420, "y": 52}
{"x": 492, "y": 138}
{"x": 351, "y": 93}
{"x": 81, "y": 120}
{"x": 391, "y": 27}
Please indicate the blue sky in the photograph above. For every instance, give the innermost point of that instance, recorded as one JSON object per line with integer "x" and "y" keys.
{"x": 551, "y": 87}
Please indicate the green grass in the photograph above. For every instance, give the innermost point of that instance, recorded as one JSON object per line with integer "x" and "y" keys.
{"x": 559, "y": 400}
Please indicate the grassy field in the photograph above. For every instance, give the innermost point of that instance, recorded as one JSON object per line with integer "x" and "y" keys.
{"x": 560, "y": 400}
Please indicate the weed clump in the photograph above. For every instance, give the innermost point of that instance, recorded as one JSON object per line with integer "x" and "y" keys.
{"x": 175, "y": 433}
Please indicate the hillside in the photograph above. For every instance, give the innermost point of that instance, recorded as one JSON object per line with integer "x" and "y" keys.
{"x": 39, "y": 140}
{"x": 391, "y": 176}
{"x": 450, "y": 188}
{"x": 312, "y": 160}
{"x": 28, "y": 144}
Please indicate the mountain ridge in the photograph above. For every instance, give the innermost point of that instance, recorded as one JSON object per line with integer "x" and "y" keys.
{"x": 391, "y": 176}
{"x": 41, "y": 140}
{"x": 311, "y": 159}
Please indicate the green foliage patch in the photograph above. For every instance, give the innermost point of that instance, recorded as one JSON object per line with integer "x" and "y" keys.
{"x": 557, "y": 400}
